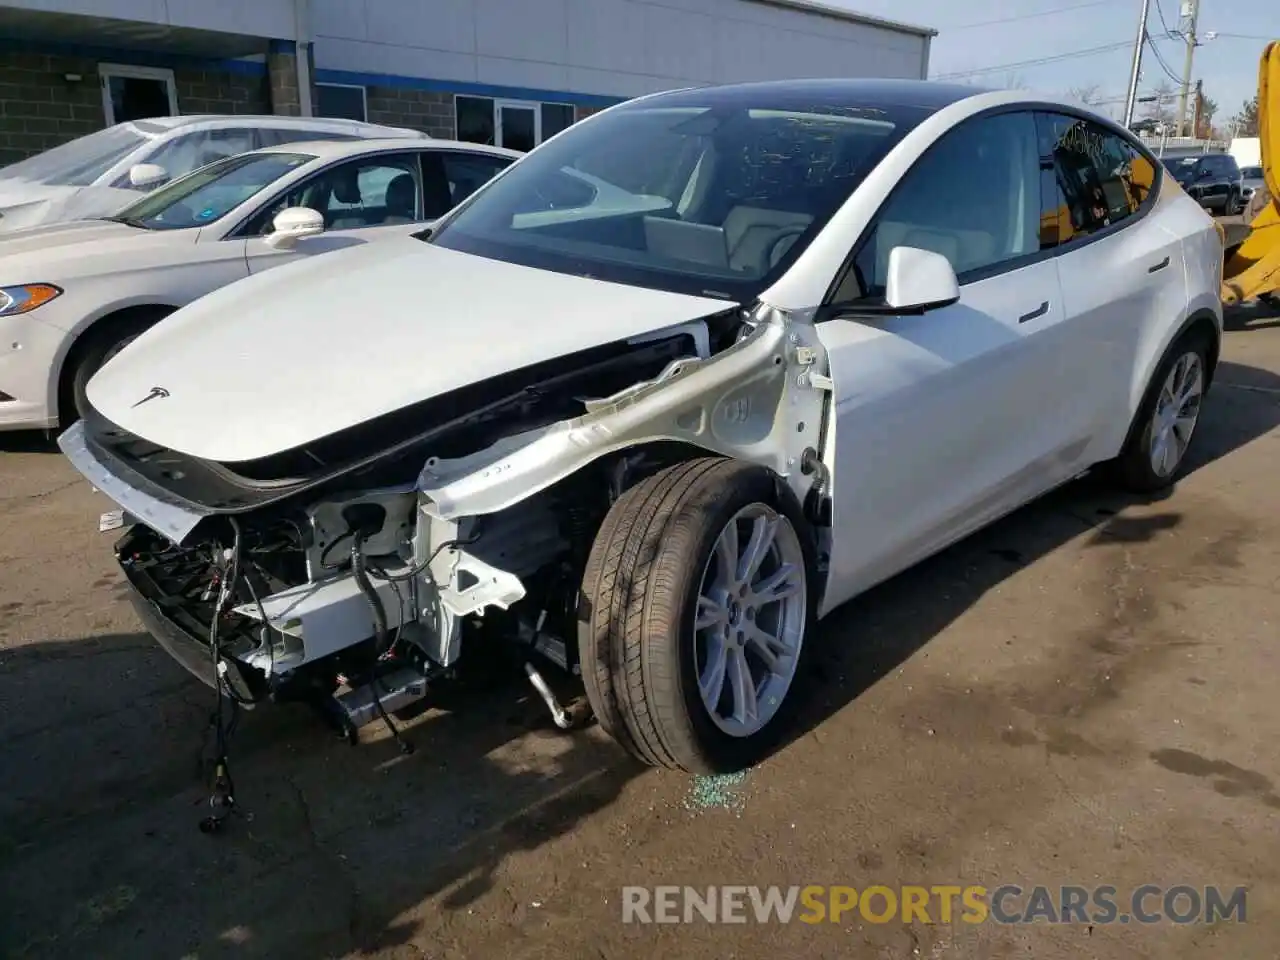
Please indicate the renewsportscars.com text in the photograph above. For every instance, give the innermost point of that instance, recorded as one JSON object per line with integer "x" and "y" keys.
{"x": 938, "y": 903}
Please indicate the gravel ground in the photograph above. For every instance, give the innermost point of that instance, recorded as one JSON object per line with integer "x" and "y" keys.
{"x": 1083, "y": 694}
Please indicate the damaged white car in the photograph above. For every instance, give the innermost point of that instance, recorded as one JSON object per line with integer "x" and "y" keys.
{"x": 657, "y": 398}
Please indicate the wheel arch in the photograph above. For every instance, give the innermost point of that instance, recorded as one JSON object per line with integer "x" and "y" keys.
{"x": 116, "y": 314}
{"x": 1202, "y": 321}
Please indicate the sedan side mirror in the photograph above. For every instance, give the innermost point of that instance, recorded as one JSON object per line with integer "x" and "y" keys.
{"x": 293, "y": 224}
{"x": 147, "y": 175}
{"x": 919, "y": 280}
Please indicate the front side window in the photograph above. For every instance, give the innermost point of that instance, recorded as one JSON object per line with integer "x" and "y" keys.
{"x": 191, "y": 151}
{"x": 368, "y": 192}
{"x": 973, "y": 197}
{"x": 1101, "y": 177}
{"x": 209, "y": 194}
{"x": 713, "y": 192}
{"x": 78, "y": 162}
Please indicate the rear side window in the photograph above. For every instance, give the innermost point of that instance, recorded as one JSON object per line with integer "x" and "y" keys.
{"x": 468, "y": 172}
{"x": 274, "y": 136}
{"x": 1099, "y": 178}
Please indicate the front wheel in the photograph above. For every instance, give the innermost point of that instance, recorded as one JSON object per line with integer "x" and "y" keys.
{"x": 90, "y": 354}
{"x": 697, "y": 607}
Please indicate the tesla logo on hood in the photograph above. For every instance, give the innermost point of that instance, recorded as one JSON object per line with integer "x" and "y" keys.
{"x": 155, "y": 394}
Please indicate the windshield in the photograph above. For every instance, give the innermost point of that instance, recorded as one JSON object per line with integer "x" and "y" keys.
{"x": 81, "y": 161}
{"x": 713, "y": 193}
{"x": 1251, "y": 173}
{"x": 208, "y": 194}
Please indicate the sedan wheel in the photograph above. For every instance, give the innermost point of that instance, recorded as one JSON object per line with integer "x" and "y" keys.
{"x": 697, "y": 593}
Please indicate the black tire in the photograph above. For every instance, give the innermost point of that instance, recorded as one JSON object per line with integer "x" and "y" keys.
{"x": 94, "y": 349}
{"x": 1233, "y": 205}
{"x": 1132, "y": 469}
{"x": 640, "y": 590}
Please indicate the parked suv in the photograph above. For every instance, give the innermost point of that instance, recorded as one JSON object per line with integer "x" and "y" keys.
{"x": 1211, "y": 178}
{"x": 97, "y": 174}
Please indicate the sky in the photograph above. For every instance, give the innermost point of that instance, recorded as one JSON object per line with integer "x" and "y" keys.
{"x": 978, "y": 34}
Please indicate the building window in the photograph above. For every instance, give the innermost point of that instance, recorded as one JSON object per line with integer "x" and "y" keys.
{"x": 555, "y": 117}
{"x": 136, "y": 93}
{"x": 475, "y": 118}
{"x": 516, "y": 124}
{"x": 341, "y": 100}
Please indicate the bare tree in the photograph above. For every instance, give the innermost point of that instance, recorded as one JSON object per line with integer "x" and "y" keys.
{"x": 1090, "y": 95}
{"x": 1159, "y": 104}
{"x": 1245, "y": 123}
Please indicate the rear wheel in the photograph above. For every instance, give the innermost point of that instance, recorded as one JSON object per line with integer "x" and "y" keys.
{"x": 698, "y": 604}
{"x": 1156, "y": 450}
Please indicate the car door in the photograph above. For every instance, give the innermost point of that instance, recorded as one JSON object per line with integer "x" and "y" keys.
{"x": 358, "y": 199}
{"x": 1121, "y": 268}
{"x": 947, "y": 419}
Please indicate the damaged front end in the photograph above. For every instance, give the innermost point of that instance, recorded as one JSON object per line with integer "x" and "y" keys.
{"x": 356, "y": 571}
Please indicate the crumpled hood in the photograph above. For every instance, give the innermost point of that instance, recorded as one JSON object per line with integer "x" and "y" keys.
{"x": 26, "y": 204}
{"x": 305, "y": 350}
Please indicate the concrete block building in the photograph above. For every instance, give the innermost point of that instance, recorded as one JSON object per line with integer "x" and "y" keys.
{"x": 510, "y": 72}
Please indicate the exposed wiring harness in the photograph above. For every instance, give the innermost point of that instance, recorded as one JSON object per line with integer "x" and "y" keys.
{"x": 383, "y": 646}
{"x": 222, "y": 796}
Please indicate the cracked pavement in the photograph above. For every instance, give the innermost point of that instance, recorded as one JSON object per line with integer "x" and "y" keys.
{"x": 1082, "y": 694}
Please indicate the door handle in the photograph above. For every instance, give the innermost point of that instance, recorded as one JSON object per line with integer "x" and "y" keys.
{"x": 1159, "y": 266}
{"x": 1039, "y": 311}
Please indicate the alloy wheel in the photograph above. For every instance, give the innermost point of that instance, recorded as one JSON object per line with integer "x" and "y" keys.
{"x": 750, "y": 620}
{"x": 1176, "y": 414}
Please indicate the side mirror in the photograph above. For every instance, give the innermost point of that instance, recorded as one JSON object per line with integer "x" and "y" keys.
{"x": 292, "y": 224}
{"x": 919, "y": 280}
{"x": 146, "y": 175}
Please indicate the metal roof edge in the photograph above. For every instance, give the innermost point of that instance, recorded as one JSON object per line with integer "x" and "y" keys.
{"x": 842, "y": 13}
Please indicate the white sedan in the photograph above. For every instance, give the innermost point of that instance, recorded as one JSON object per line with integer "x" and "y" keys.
{"x": 72, "y": 294}
{"x": 814, "y": 332}
{"x": 100, "y": 172}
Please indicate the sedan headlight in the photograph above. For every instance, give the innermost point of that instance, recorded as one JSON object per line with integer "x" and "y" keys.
{"x": 25, "y": 297}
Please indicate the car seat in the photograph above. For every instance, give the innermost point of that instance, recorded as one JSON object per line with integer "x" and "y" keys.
{"x": 402, "y": 200}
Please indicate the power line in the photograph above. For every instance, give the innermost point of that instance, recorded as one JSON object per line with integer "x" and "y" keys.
{"x": 1163, "y": 22}
{"x": 1030, "y": 16}
{"x": 1240, "y": 36}
{"x": 1163, "y": 65}
{"x": 1088, "y": 52}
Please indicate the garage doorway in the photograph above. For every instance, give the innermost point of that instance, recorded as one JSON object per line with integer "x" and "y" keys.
{"x": 137, "y": 93}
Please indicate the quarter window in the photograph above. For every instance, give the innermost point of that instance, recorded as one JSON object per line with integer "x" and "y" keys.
{"x": 1101, "y": 179}
{"x": 974, "y": 197}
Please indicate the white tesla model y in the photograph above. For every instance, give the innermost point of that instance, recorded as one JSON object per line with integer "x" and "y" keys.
{"x": 656, "y": 399}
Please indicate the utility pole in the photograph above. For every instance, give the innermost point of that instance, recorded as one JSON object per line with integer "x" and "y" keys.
{"x": 1132, "y": 98}
{"x": 1191, "y": 15}
{"x": 1196, "y": 113}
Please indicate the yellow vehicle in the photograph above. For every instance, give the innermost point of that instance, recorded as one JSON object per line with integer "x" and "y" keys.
{"x": 1251, "y": 269}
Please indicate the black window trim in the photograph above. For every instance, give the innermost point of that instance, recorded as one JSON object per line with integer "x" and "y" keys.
{"x": 1032, "y": 107}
